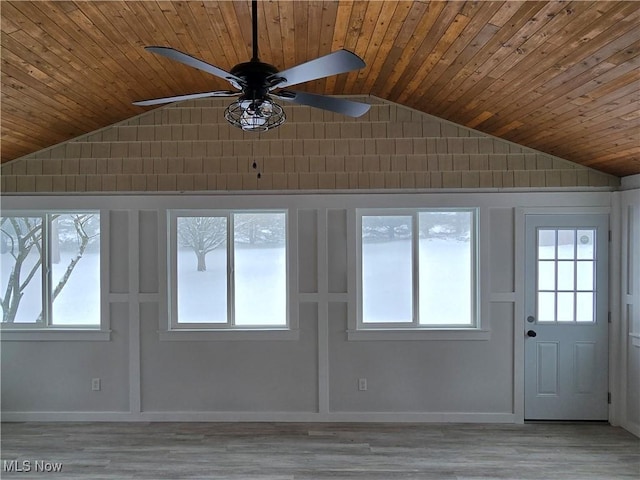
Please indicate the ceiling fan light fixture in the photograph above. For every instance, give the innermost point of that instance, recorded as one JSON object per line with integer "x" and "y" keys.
{"x": 257, "y": 115}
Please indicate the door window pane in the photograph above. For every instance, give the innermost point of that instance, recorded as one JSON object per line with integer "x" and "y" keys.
{"x": 584, "y": 276}
{"x": 546, "y": 244}
{"x": 75, "y": 269}
{"x": 584, "y": 307}
{"x": 260, "y": 280}
{"x": 546, "y": 307}
{"x": 202, "y": 269}
{"x": 565, "y": 307}
{"x": 21, "y": 269}
{"x": 566, "y": 275}
{"x": 546, "y": 276}
{"x": 387, "y": 273}
{"x": 566, "y": 244}
{"x": 586, "y": 243}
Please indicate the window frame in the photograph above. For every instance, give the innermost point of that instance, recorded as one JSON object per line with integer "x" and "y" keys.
{"x": 45, "y": 329}
{"x": 229, "y": 327}
{"x": 395, "y": 330}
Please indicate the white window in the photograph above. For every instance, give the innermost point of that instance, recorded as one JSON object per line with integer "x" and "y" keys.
{"x": 229, "y": 270}
{"x": 50, "y": 270}
{"x": 417, "y": 269}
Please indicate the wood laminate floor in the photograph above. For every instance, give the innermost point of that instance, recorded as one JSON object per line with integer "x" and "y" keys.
{"x": 285, "y": 451}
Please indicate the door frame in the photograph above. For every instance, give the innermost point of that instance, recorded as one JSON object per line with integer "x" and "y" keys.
{"x": 519, "y": 307}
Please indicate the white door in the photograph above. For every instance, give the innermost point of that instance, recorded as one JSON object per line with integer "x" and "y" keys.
{"x": 566, "y": 317}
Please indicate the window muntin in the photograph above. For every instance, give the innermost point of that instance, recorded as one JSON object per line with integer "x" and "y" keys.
{"x": 50, "y": 266}
{"x": 230, "y": 270}
{"x": 418, "y": 268}
{"x": 566, "y": 275}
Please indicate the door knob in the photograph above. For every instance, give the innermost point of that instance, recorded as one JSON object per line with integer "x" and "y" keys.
{"x": 531, "y": 333}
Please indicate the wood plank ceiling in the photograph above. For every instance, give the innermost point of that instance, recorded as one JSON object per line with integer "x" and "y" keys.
{"x": 562, "y": 77}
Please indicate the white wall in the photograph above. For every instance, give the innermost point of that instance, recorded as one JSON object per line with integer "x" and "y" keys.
{"x": 314, "y": 377}
{"x": 628, "y": 355}
{"x": 234, "y": 376}
{"x": 55, "y": 376}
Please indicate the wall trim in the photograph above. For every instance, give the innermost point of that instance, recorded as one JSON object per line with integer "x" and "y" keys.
{"x": 591, "y": 201}
{"x": 306, "y": 417}
{"x": 54, "y": 335}
{"x": 319, "y": 192}
{"x": 415, "y": 334}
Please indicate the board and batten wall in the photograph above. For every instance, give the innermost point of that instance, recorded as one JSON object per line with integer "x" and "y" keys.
{"x": 321, "y": 168}
{"x": 149, "y": 375}
{"x": 626, "y": 218}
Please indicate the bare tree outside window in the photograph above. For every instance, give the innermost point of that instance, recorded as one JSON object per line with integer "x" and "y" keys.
{"x": 21, "y": 243}
{"x": 205, "y": 234}
{"x": 22, "y": 246}
{"x": 250, "y": 271}
{"x": 76, "y": 298}
{"x": 202, "y": 235}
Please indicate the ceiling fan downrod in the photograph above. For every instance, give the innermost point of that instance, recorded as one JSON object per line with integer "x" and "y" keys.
{"x": 254, "y": 13}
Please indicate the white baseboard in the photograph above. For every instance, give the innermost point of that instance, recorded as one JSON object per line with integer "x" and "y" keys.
{"x": 68, "y": 417}
{"x": 301, "y": 417}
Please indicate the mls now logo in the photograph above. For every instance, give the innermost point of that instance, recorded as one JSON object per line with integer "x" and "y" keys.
{"x": 14, "y": 466}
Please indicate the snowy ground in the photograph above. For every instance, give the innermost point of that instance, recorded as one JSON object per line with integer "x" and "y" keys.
{"x": 260, "y": 287}
{"x": 445, "y": 282}
{"x": 79, "y": 301}
{"x": 260, "y": 284}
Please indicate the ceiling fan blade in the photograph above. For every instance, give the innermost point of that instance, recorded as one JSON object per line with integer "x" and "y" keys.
{"x": 192, "y": 96}
{"x": 338, "y": 105}
{"x": 340, "y": 61}
{"x": 178, "y": 56}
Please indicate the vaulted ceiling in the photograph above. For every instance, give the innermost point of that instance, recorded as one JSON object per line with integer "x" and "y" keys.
{"x": 562, "y": 77}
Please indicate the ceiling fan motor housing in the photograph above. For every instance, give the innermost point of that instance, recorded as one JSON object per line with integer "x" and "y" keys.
{"x": 255, "y": 75}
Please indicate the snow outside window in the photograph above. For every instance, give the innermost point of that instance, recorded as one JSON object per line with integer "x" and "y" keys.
{"x": 50, "y": 270}
{"x": 418, "y": 269}
{"x": 229, "y": 270}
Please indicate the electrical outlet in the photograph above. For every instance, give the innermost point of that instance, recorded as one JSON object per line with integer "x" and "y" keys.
{"x": 362, "y": 384}
{"x": 95, "y": 384}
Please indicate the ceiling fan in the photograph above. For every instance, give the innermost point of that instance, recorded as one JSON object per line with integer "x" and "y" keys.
{"x": 257, "y": 83}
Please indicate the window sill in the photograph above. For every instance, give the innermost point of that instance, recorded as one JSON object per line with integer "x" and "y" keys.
{"x": 418, "y": 334}
{"x": 51, "y": 334}
{"x": 228, "y": 335}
